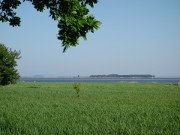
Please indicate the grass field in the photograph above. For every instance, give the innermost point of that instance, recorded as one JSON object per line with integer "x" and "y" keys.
{"x": 102, "y": 108}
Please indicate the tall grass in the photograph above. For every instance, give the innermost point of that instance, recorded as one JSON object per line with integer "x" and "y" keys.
{"x": 102, "y": 108}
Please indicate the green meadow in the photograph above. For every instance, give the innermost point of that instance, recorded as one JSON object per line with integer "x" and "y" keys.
{"x": 101, "y": 108}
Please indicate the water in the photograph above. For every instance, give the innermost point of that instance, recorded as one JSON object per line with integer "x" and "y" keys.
{"x": 158, "y": 80}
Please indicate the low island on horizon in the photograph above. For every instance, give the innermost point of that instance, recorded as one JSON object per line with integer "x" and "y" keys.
{"x": 123, "y": 76}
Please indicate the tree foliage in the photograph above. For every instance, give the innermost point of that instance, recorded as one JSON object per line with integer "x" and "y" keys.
{"x": 72, "y": 17}
{"x": 8, "y": 73}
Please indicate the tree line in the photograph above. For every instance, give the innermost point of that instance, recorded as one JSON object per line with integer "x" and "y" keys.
{"x": 125, "y": 76}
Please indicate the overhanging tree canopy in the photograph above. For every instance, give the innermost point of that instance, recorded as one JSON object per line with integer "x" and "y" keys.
{"x": 72, "y": 16}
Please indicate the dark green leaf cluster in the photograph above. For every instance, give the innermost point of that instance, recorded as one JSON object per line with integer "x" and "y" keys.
{"x": 72, "y": 16}
{"x": 7, "y": 13}
{"x": 8, "y": 73}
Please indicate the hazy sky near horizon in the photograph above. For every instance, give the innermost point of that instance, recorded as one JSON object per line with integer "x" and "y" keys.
{"x": 136, "y": 37}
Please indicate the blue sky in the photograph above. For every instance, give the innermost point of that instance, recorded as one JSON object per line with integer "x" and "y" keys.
{"x": 136, "y": 37}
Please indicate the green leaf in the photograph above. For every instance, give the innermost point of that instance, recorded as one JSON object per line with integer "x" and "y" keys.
{"x": 98, "y": 23}
{"x": 84, "y": 37}
{"x": 90, "y": 15}
{"x": 74, "y": 12}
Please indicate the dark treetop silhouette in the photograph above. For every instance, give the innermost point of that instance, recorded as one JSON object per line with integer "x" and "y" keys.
{"x": 72, "y": 17}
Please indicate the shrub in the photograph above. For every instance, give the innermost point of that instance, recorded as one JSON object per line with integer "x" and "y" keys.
{"x": 76, "y": 86}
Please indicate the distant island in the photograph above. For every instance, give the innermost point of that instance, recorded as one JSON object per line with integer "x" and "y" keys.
{"x": 124, "y": 76}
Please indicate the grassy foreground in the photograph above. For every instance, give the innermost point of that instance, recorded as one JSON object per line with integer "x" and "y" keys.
{"x": 102, "y": 108}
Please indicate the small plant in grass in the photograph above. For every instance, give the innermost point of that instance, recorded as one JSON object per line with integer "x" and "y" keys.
{"x": 76, "y": 86}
